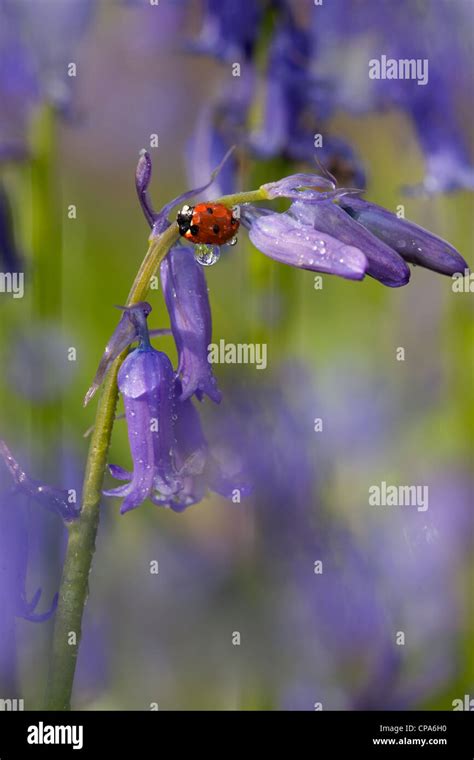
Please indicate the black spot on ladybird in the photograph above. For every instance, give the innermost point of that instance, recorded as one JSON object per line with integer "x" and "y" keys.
{"x": 209, "y": 210}
{"x": 194, "y": 229}
{"x": 215, "y": 229}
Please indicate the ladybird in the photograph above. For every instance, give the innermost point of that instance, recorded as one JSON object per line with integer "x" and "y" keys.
{"x": 209, "y": 223}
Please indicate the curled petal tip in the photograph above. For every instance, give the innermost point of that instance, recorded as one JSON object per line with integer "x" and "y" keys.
{"x": 143, "y": 171}
{"x": 142, "y": 180}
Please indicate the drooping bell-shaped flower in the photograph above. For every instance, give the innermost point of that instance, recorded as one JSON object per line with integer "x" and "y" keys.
{"x": 415, "y": 244}
{"x": 350, "y": 36}
{"x": 13, "y": 571}
{"x": 383, "y": 263}
{"x": 335, "y": 231}
{"x": 187, "y": 300}
{"x": 291, "y": 241}
{"x": 198, "y": 468}
{"x": 146, "y": 382}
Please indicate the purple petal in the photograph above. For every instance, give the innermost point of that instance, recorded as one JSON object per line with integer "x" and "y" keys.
{"x": 120, "y": 491}
{"x": 142, "y": 180}
{"x": 124, "y": 334}
{"x": 187, "y": 300}
{"x": 415, "y": 244}
{"x": 119, "y": 473}
{"x": 384, "y": 264}
{"x": 290, "y": 241}
{"x": 146, "y": 381}
{"x": 303, "y": 187}
{"x": 191, "y": 445}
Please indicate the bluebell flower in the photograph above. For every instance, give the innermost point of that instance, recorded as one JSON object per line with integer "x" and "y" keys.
{"x": 187, "y": 301}
{"x": 283, "y": 104}
{"x": 19, "y": 89}
{"x": 415, "y": 244}
{"x": 228, "y": 31}
{"x": 285, "y": 238}
{"x": 50, "y": 33}
{"x": 348, "y": 34}
{"x": 13, "y": 566}
{"x": 336, "y": 232}
{"x": 37, "y": 42}
{"x": 172, "y": 463}
{"x": 14, "y": 542}
{"x": 146, "y": 382}
{"x": 199, "y": 469}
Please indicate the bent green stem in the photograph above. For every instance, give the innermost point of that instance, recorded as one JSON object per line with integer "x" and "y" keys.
{"x": 82, "y": 532}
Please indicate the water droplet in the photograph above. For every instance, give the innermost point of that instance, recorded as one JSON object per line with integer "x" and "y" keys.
{"x": 206, "y": 255}
{"x": 233, "y": 241}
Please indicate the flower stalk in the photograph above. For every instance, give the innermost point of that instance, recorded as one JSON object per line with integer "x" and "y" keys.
{"x": 82, "y": 532}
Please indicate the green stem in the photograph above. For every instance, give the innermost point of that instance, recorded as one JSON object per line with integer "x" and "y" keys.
{"x": 82, "y": 532}
{"x": 250, "y": 197}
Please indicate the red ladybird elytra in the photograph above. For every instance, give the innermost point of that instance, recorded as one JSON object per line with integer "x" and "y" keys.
{"x": 209, "y": 223}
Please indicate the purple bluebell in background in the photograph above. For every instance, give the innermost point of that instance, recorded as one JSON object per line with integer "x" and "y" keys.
{"x": 272, "y": 110}
{"x": 17, "y": 491}
{"x": 18, "y": 85}
{"x": 303, "y": 67}
{"x": 228, "y": 31}
{"x": 14, "y": 598}
{"x": 37, "y": 42}
{"x": 49, "y": 32}
{"x": 350, "y": 35}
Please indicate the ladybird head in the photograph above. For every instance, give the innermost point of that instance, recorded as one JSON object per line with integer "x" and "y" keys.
{"x": 183, "y": 219}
